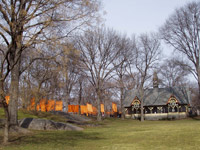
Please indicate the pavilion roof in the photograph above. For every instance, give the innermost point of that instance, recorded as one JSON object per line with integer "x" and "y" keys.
{"x": 159, "y": 96}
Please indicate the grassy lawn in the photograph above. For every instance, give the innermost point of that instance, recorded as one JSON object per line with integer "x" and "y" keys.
{"x": 31, "y": 114}
{"x": 115, "y": 134}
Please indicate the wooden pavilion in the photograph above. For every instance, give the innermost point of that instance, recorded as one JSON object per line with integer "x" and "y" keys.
{"x": 159, "y": 103}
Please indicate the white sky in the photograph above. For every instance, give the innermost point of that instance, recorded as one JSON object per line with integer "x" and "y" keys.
{"x": 140, "y": 16}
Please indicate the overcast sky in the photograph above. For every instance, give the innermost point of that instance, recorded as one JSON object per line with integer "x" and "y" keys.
{"x": 139, "y": 16}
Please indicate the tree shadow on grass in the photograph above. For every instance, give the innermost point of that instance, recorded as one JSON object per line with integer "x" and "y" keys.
{"x": 68, "y": 138}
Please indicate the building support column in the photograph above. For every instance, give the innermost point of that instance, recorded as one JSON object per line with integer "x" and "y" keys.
{"x": 150, "y": 108}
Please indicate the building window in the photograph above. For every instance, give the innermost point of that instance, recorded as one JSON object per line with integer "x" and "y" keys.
{"x": 173, "y": 104}
{"x": 135, "y": 105}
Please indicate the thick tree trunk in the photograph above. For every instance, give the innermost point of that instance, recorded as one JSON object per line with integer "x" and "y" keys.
{"x": 14, "y": 91}
{"x": 7, "y": 125}
{"x": 99, "y": 118}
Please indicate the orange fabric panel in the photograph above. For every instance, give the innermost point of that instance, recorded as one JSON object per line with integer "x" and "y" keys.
{"x": 32, "y": 105}
{"x": 59, "y": 106}
{"x": 73, "y": 108}
{"x": 76, "y": 108}
{"x": 70, "y": 108}
{"x": 7, "y": 99}
{"x": 82, "y": 112}
{"x": 89, "y": 108}
{"x": 83, "y": 109}
{"x": 43, "y": 105}
{"x": 94, "y": 111}
{"x": 50, "y": 105}
{"x": 102, "y": 108}
{"x": 114, "y": 107}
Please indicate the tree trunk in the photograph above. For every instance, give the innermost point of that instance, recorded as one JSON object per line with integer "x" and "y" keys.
{"x": 98, "y": 106}
{"x": 80, "y": 97}
{"x": 37, "y": 102}
{"x": 142, "y": 104}
{"x": 122, "y": 106}
{"x": 7, "y": 122}
{"x": 79, "y": 109}
{"x": 142, "y": 111}
{"x": 66, "y": 102}
{"x": 14, "y": 91}
{"x": 199, "y": 92}
{"x": 198, "y": 68}
{"x": 7, "y": 125}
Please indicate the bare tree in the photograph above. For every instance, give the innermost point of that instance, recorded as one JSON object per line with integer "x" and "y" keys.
{"x": 147, "y": 54}
{"x": 98, "y": 50}
{"x": 80, "y": 90}
{"x": 181, "y": 31}
{"x": 124, "y": 57}
{"x": 69, "y": 60}
{"x": 35, "y": 62}
{"x": 25, "y": 23}
{"x": 41, "y": 74}
{"x": 173, "y": 73}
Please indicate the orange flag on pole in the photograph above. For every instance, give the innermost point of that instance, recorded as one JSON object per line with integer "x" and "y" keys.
{"x": 50, "y": 105}
{"x": 59, "y": 106}
{"x": 43, "y": 105}
{"x": 83, "y": 109}
{"x": 70, "y": 108}
{"x": 76, "y": 108}
{"x": 89, "y": 108}
{"x": 102, "y": 108}
{"x": 7, "y": 99}
{"x": 114, "y": 107}
{"x": 94, "y": 110}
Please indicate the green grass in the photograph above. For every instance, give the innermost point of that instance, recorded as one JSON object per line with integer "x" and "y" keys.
{"x": 115, "y": 134}
{"x": 32, "y": 114}
{"x": 1, "y": 113}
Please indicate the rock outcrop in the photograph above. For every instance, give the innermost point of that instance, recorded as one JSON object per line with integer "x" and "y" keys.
{"x": 43, "y": 124}
{"x": 73, "y": 117}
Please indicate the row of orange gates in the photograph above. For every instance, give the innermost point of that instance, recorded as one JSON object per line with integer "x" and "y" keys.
{"x": 89, "y": 109}
{"x": 52, "y": 105}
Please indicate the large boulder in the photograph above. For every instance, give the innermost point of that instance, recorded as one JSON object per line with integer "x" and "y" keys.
{"x": 43, "y": 124}
{"x": 73, "y": 117}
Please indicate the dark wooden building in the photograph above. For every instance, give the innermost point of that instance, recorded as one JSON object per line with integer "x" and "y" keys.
{"x": 159, "y": 103}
